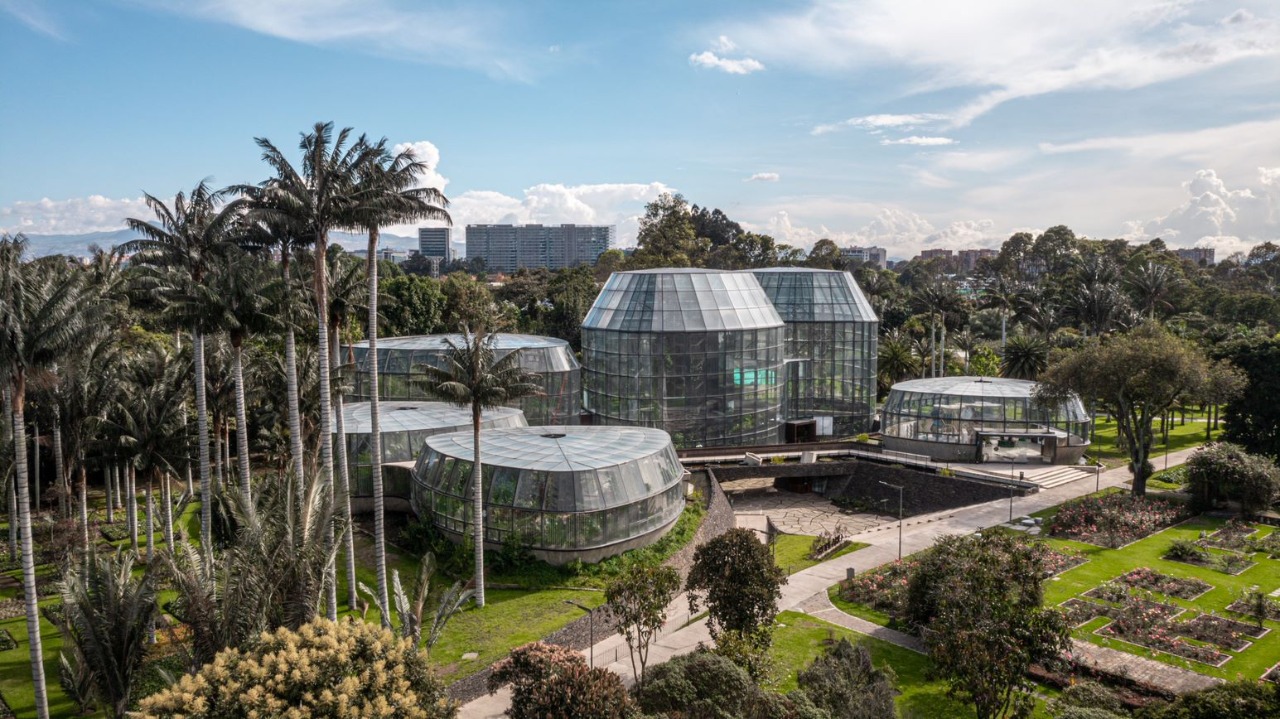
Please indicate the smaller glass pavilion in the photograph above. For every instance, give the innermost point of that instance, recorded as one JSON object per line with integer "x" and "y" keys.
{"x": 982, "y": 419}
{"x": 568, "y": 493}
{"x": 405, "y": 427}
{"x": 400, "y": 360}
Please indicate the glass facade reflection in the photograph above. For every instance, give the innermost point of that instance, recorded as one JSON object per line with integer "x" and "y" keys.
{"x": 695, "y": 352}
{"x": 983, "y": 418}
{"x": 401, "y": 359}
{"x": 405, "y": 427}
{"x": 831, "y": 336}
{"x": 554, "y": 489}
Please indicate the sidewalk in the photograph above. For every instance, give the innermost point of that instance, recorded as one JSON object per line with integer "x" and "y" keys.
{"x": 918, "y": 533}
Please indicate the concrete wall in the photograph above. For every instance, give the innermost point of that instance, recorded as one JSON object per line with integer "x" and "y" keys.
{"x": 923, "y": 492}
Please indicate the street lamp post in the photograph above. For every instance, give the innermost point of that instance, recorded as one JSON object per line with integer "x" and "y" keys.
{"x": 591, "y": 628}
{"x": 899, "y": 488}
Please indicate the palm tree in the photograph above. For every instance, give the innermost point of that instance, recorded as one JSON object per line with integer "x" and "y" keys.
{"x": 42, "y": 317}
{"x": 1151, "y": 283}
{"x": 896, "y": 360}
{"x": 386, "y": 195}
{"x": 473, "y": 377}
{"x": 188, "y": 238}
{"x": 1024, "y": 357}
{"x": 108, "y": 617}
{"x": 317, "y": 196}
{"x": 1001, "y": 295}
{"x": 1039, "y": 308}
{"x": 966, "y": 342}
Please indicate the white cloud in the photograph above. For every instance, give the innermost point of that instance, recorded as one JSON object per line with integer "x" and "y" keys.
{"x": 902, "y": 232}
{"x": 921, "y": 141}
{"x": 1207, "y": 146}
{"x": 985, "y": 161}
{"x": 33, "y": 14}
{"x": 1002, "y": 51}
{"x": 425, "y": 151}
{"x": 1214, "y": 215}
{"x": 709, "y": 59}
{"x": 876, "y": 122}
{"x": 933, "y": 180}
{"x": 72, "y": 216}
{"x": 723, "y": 44}
{"x": 472, "y": 36}
{"x": 764, "y": 177}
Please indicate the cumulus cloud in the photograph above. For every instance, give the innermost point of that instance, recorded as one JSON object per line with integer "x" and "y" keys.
{"x": 902, "y": 232}
{"x": 427, "y": 153}
{"x": 1215, "y": 215}
{"x": 708, "y": 59}
{"x": 1000, "y": 51}
{"x": 74, "y": 216}
{"x": 920, "y": 141}
{"x": 764, "y": 177}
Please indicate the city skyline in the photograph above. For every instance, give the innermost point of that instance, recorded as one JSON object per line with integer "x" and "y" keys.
{"x": 900, "y": 125}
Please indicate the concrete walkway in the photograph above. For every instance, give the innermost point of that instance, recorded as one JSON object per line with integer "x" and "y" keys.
{"x": 918, "y": 533}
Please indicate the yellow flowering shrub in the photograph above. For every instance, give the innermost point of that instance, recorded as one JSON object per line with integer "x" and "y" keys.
{"x": 325, "y": 670}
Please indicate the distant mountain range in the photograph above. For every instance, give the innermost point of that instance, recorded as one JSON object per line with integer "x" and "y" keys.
{"x": 78, "y": 245}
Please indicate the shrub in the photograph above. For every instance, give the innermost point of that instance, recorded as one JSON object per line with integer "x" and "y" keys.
{"x": 698, "y": 685}
{"x": 1087, "y": 695}
{"x": 554, "y": 682}
{"x": 1234, "y": 700}
{"x": 344, "y": 669}
{"x": 1225, "y": 471}
{"x": 1185, "y": 550}
{"x": 844, "y": 683}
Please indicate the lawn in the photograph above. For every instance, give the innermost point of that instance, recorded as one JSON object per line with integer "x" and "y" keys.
{"x": 1181, "y": 437}
{"x": 800, "y": 638}
{"x": 1107, "y": 564}
{"x": 791, "y": 551}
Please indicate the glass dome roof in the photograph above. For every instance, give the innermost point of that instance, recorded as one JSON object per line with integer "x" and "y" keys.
{"x": 681, "y": 300}
{"x": 437, "y": 417}
{"x": 970, "y": 386}
{"x": 559, "y": 359}
{"x": 802, "y": 294}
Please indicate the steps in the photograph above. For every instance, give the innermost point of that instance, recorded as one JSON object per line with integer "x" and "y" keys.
{"x": 1060, "y": 476}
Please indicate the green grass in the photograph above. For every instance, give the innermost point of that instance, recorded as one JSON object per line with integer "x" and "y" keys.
{"x": 858, "y": 610}
{"x": 791, "y": 551}
{"x": 1107, "y": 564}
{"x": 803, "y": 638}
{"x": 1181, "y": 437}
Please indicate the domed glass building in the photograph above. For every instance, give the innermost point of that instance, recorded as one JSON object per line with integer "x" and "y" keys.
{"x": 405, "y": 427}
{"x": 831, "y": 340}
{"x": 568, "y": 493}
{"x": 982, "y": 419}
{"x": 401, "y": 360}
{"x": 695, "y": 352}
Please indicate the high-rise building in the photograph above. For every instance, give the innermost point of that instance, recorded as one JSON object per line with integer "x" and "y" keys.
{"x": 1199, "y": 255}
{"x": 507, "y": 248}
{"x": 875, "y": 255}
{"x": 969, "y": 258}
{"x": 930, "y": 254}
{"x": 433, "y": 242}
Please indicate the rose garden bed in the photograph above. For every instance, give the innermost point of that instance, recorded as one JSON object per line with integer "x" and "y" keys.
{"x": 1056, "y": 562}
{"x": 1273, "y": 674}
{"x": 1153, "y": 581}
{"x": 1114, "y": 520}
{"x": 1226, "y": 633}
{"x": 1147, "y": 624}
{"x": 1233, "y": 535}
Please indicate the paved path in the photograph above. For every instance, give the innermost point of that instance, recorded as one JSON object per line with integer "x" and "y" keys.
{"x": 820, "y": 606}
{"x": 800, "y": 513}
{"x": 1141, "y": 669}
{"x": 918, "y": 533}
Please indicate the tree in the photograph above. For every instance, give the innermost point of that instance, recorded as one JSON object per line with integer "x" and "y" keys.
{"x": 1225, "y": 471}
{"x": 1135, "y": 377}
{"x": 353, "y": 669}
{"x": 108, "y": 616}
{"x": 1024, "y": 357}
{"x": 1244, "y": 699}
{"x": 1151, "y": 283}
{"x": 571, "y": 293}
{"x": 473, "y": 377}
{"x": 978, "y": 602}
{"x": 845, "y": 683}
{"x": 825, "y": 255}
{"x": 1224, "y": 383}
{"x": 667, "y": 236}
{"x": 735, "y": 577}
{"x": 895, "y": 360}
{"x": 188, "y": 239}
{"x": 553, "y": 682}
{"x": 1252, "y": 419}
{"x": 1002, "y": 296}
{"x": 42, "y": 317}
{"x": 1055, "y": 249}
{"x": 609, "y": 262}
{"x": 698, "y": 685}
{"x": 414, "y": 306}
{"x": 715, "y": 226}
{"x": 466, "y": 302}
{"x": 638, "y": 604}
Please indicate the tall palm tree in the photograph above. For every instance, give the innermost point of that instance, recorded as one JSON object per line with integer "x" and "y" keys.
{"x": 42, "y": 317}
{"x": 1151, "y": 284}
{"x": 386, "y": 194}
{"x": 1001, "y": 295}
{"x": 896, "y": 360}
{"x": 108, "y": 618}
{"x": 317, "y": 195}
{"x": 188, "y": 238}
{"x": 1024, "y": 357}
{"x": 1038, "y": 306}
{"x": 473, "y": 377}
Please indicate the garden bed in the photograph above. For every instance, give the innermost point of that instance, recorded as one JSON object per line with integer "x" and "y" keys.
{"x": 1229, "y": 563}
{"x": 1225, "y": 633}
{"x": 1273, "y": 674}
{"x": 1162, "y": 643}
{"x": 1240, "y": 606}
{"x": 1114, "y": 520}
{"x": 1233, "y": 535}
{"x": 1146, "y": 623}
{"x": 1057, "y": 561}
{"x": 883, "y": 589}
{"x": 11, "y": 608}
{"x": 1153, "y": 581}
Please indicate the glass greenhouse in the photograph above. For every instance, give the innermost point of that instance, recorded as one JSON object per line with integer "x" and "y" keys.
{"x": 405, "y": 427}
{"x": 982, "y": 419}
{"x": 831, "y": 340}
{"x": 401, "y": 359}
{"x": 567, "y": 492}
{"x": 695, "y": 352}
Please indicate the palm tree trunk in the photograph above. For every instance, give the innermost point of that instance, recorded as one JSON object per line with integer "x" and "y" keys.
{"x": 166, "y": 496}
{"x": 242, "y": 424}
{"x": 190, "y": 489}
{"x": 375, "y": 431}
{"x": 59, "y": 478}
{"x": 295, "y": 416}
{"x": 109, "y": 477}
{"x": 1004, "y": 318}
{"x": 30, "y": 597}
{"x": 477, "y": 505}
{"x": 35, "y": 456}
{"x": 84, "y": 506}
{"x": 202, "y": 441}
{"x": 11, "y": 479}
{"x": 321, "y": 286}
{"x": 942, "y": 350}
{"x": 344, "y": 486}
{"x": 151, "y": 527}
{"x": 131, "y": 480}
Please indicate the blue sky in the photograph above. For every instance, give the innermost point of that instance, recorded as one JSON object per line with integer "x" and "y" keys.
{"x": 900, "y": 122}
